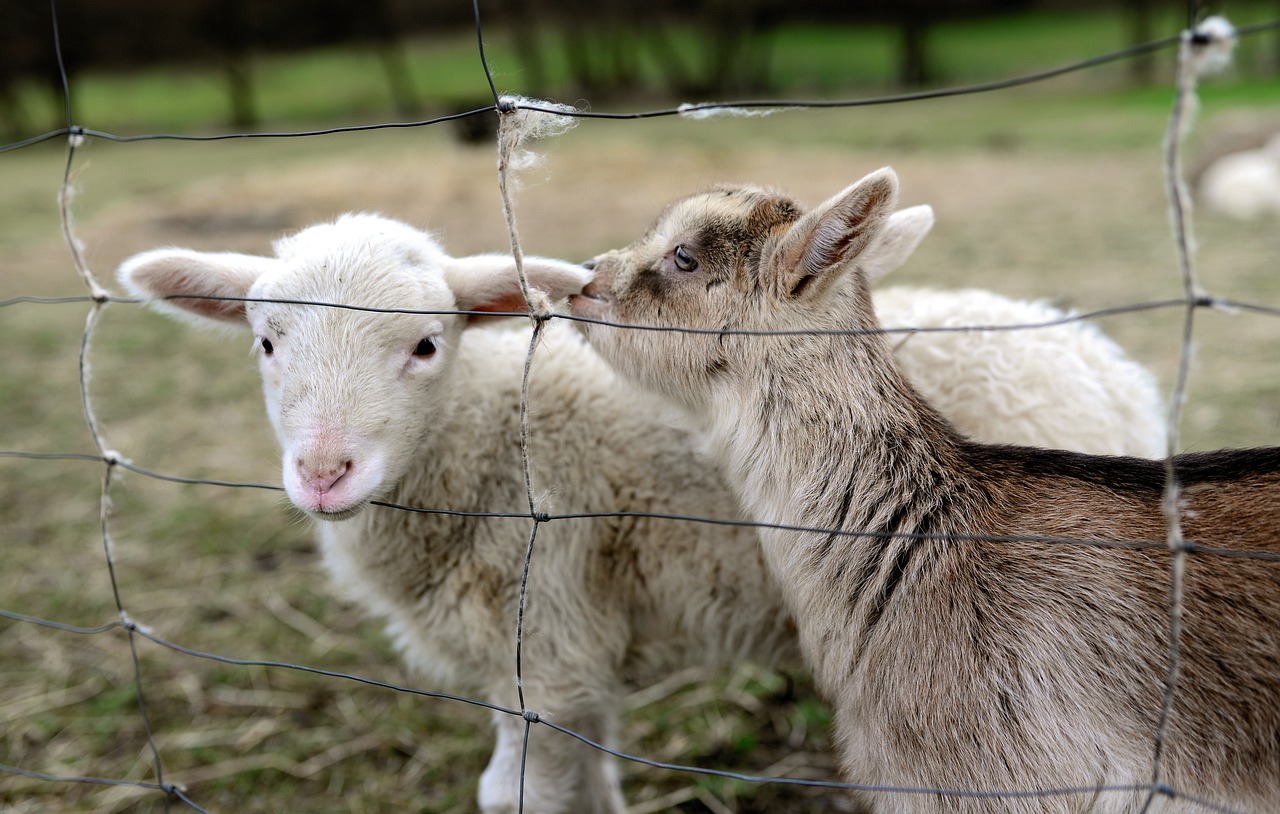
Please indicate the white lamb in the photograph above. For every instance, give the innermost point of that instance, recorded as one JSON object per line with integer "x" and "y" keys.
{"x": 1089, "y": 397}
{"x": 421, "y": 410}
{"x": 1066, "y": 386}
{"x": 1246, "y": 184}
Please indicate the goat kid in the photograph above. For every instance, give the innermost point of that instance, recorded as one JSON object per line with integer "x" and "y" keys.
{"x": 966, "y": 647}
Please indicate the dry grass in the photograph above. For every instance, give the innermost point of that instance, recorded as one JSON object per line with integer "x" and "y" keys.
{"x": 233, "y": 572}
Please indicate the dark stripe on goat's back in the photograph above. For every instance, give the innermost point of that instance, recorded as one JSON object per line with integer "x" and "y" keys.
{"x": 1122, "y": 474}
{"x": 1227, "y": 464}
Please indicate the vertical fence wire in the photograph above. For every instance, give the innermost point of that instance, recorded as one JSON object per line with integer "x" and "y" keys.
{"x": 100, "y": 297}
{"x": 1179, "y": 216}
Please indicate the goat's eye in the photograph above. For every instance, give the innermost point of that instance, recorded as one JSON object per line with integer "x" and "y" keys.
{"x": 426, "y": 347}
{"x": 684, "y": 260}
{"x": 267, "y": 347}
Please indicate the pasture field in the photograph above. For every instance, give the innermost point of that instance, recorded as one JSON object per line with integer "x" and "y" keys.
{"x": 1052, "y": 192}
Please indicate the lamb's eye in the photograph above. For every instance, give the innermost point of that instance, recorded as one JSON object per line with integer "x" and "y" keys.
{"x": 267, "y": 347}
{"x": 684, "y": 260}
{"x": 426, "y": 348}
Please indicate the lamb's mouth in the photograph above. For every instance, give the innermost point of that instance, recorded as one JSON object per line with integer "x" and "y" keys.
{"x": 339, "y": 514}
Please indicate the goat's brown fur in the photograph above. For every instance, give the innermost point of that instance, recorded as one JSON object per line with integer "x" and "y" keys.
{"x": 965, "y": 641}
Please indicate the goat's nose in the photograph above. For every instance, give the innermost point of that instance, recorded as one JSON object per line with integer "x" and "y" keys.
{"x": 590, "y": 265}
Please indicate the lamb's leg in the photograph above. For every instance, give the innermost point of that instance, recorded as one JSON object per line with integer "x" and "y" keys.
{"x": 561, "y": 774}
{"x": 500, "y": 783}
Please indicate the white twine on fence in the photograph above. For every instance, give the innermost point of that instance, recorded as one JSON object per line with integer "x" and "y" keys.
{"x": 1203, "y": 50}
{"x": 517, "y": 127}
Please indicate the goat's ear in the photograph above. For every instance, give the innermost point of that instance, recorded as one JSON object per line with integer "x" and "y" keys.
{"x": 829, "y": 237}
{"x": 187, "y": 283}
{"x": 902, "y": 233}
{"x": 488, "y": 282}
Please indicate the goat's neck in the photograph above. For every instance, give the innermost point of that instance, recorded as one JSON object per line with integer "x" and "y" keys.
{"x": 830, "y": 436}
{"x": 828, "y": 433}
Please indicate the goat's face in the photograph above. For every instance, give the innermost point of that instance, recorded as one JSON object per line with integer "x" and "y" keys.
{"x": 724, "y": 263}
{"x": 697, "y": 268}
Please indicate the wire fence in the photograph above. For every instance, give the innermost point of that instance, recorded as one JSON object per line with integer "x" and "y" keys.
{"x": 1193, "y": 46}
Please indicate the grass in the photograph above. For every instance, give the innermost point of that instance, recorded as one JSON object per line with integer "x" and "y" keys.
{"x": 1053, "y": 191}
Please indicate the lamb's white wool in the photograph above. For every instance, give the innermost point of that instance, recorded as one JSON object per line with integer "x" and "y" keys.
{"x": 1040, "y": 386}
{"x": 1245, "y": 184}
{"x": 421, "y": 409}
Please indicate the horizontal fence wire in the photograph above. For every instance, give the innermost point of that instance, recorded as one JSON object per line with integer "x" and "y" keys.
{"x": 693, "y": 110}
{"x": 555, "y": 517}
{"x": 111, "y": 461}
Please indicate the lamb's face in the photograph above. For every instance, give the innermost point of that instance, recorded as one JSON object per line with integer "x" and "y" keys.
{"x": 697, "y": 268}
{"x": 351, "y": 393}
{"x": 354, "y": 385}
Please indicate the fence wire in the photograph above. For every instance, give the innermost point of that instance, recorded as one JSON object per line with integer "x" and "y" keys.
{"x": 1190, "y": 46}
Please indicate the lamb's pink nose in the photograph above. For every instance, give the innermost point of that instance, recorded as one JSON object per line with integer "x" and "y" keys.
{"x": 320, "y": 479}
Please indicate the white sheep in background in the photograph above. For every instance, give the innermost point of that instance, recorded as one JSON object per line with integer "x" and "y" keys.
{"x": 1066, "y": 386}
{"x": 966, "y": 645}
{"x": 422, "y": 410}
{"x": 1090, "y": 397}
{"x": 1244, "y": 184}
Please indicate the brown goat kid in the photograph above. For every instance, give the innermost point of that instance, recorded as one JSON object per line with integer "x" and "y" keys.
{"x": 964, "y": 645}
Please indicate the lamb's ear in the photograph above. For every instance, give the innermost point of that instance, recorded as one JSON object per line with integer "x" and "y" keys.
{"x": 902, "y": 233}
{"x": 826, "y": 239}
{"x": 181, "y": 282}
{"x": 488, "y": 282}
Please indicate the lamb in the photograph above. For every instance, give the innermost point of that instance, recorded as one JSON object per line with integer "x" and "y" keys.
{"x": 1245, "y": 184}
{"x": 1066, "y": 386}
{"x": 420, "y": 410}
{"x": 965, "y": 646}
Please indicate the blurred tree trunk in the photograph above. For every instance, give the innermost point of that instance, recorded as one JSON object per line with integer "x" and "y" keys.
{"x": 677, "y": 75}
{"x": 578, "y": 43}
{"x": 1142, "y": 68}
{"x": 740, "y": 44}
{"x": 524, "y": 36}
{"x": 229, "y": 28}
{"x": 396, "y": 69}
{"x": 1275, "y": 54}
{"x": 913, "y": 65}
{"x": 244, "y": 110}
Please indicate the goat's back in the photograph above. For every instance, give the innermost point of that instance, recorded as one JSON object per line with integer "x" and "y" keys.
{"x": 1045, "y": 621}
